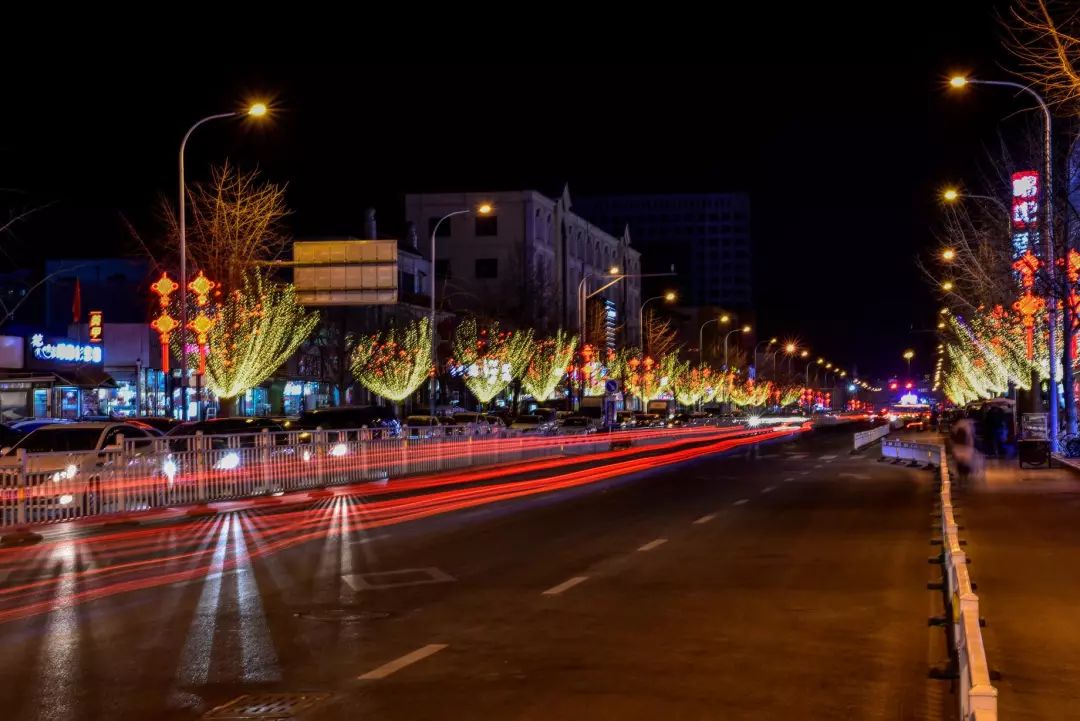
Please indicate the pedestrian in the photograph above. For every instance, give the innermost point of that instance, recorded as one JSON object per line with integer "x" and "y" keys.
{"x": 963, "y": 449}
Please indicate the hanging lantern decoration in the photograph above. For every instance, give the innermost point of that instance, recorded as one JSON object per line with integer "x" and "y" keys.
{"x": 164, "y": 324}
{"x": 201, "y": 287}
{"x": 201, "y": 325}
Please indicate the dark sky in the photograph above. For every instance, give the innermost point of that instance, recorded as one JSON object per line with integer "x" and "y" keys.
{"x": 842, "y": 160}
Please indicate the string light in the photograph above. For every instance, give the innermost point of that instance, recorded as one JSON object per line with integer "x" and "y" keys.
{"x": 395, "y": 363}
{"x": 489, "y": 358}
{"x": 255, "y": 331}
{"x": 547, "y": 365}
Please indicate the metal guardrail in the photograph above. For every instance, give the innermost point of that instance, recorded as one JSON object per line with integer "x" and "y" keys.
{"x": 978, "y": 697}
{"x": 141, "y": 474}
{"x": 865, "y": 438}
{"x": 914, "y": 453}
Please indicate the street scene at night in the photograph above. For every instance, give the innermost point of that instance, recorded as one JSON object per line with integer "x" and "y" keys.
{"x": 338, "y": 391}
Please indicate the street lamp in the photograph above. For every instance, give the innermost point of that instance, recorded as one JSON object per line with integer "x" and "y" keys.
{"x": 667, "y": 297}
{"x": 960, "y": 81}
{"x": 482, "y": 209}
{"x": 767, "y": 343}
{"x": 947, "y": 286}
{"x": 948, "y": 254}
{"x": 908, "y": 355}
{"x": 701, "y": 337}
{"x": 744, "y": 329}
{"x": 952, "y": 195}
{"x": 256, "y": 110}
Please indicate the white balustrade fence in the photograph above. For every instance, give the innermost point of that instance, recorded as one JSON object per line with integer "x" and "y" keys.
{"x": 978, "y": 698}
{"x": 38, "y": 488}
{"x": 865, "y": 438}
{"x": 915, "y": 453}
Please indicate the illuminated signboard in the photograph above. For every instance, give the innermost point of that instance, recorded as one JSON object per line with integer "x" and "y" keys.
{"x": 1025, "y": 199}
{"x": 63, "y": 350}
{"x": 97, "y": 327}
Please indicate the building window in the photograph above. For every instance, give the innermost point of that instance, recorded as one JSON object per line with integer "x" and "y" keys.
{"x": 487, "y": 225}
{"x": 442, "y": 268}
{"x": 487, "y": 267}
{"x": 444, "y": 227}
{"x": 407, "y": 283}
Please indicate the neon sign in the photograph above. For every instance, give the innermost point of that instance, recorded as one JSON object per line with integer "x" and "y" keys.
{"x": 1025, "y": 202}
{"x": 64, "y": 351}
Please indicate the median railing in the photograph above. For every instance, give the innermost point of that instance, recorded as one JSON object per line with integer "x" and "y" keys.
{"x": 978, "y": 698}
{"x": 865, "y": 438}
{"x": 141, "y": 474}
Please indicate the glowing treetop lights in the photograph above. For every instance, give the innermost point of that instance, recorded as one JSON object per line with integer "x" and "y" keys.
{"x": 491, "y": 359}
{"x": 256, "y": 329}
{"x": 394, "y": 364}
{"x": 547, "y": 365}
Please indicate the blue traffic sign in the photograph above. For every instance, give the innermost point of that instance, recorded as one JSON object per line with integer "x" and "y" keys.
{"x": 611, "y": 386}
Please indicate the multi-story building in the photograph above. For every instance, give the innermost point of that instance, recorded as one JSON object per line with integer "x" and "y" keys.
{"x": 706, "y": 236}
{"x": 525, "y": 262}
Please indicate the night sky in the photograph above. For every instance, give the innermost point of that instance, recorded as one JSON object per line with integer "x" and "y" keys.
{"x": 842, "y": 161}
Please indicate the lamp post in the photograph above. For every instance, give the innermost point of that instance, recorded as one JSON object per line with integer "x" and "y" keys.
{"x": 1046, "y": 189}
{"x": 484, "y": 209}
{"x": 908, "y": 355}
{"x": 766, "y": 344}
{"x": 257, "y": 110}
{"x": 744, "y": 329}
{"x": 701, "y": 335}
{"x": 668, "y": 297}
{"x": 952, "y": 195}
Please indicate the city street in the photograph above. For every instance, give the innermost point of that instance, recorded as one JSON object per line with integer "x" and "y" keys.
{"x": 784, "y": 582}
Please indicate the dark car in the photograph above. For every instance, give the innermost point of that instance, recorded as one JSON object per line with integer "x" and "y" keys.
{"x": 162, "y": 423}
{"x": 218, "y": 428}
{"x": 350, "y": 418}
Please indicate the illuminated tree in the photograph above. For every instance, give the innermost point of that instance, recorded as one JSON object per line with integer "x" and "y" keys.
{"x": 547, "y": 364}
{"x": 750, "y": 394}
{"x": 647, "y": 378}
{"x": 255, "y": 330}
{"x": 691, "y": 384}
{"x": 393, "y": 364}
{"x": 790, "y": 395}
{"x": 490, "y": 358}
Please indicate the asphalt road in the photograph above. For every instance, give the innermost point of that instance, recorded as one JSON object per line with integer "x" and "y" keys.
{"x": 788, "y": 585}
{"x": 1022, "y": 534}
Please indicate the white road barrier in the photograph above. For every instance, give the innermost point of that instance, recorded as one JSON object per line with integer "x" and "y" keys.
{"x": 138, "y": 475}
{"x": 915, "y": 453}
{"x": 865, "y": 438}
{"x": 978, "y": 698}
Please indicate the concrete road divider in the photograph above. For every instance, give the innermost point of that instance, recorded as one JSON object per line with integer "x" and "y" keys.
{"x": 914, "y": 453}
{"x": 865, "y": 438}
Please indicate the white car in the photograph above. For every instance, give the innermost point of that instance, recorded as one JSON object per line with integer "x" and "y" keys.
{"x": 64, "y": 463}
{"x": 533, "y": 424}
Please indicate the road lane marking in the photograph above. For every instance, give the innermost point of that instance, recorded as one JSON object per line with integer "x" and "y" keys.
{"x": 827, "y": 458}
{"x": 819, "y": 465}
{"x": 653, "y": 544}
{"x": 789, "y": 479}
{"x": 704, "y": 519}
{"x": 856, "y": 476}
{"x": 804, "y": 473}
{"x": 565, "y": 586}
{"x": 407, "y": 660}
{"x": 741, "y": 501}
{"x": 767, "y": 489}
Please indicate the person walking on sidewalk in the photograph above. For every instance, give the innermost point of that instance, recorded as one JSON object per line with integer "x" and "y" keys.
{"x": 963, "y": 448}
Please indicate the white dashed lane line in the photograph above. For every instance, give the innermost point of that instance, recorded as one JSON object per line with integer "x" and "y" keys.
{"x": 565, "y": 586}
{"x": 789, "y": 479}
{"x": 407, "y": 660}
{"x": 828, "y": 458}
{"x": 653, "y": 544}
{"x": 704, "y": 519}
{"x": 741, "y": 501}
{"x": 767, "y": 489}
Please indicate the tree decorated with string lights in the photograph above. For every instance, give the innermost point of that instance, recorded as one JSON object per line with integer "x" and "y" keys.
{"x": 750, "y": 394}
{"x": 691, "y": 383}
{"x": 547, "y": 364}
{"x": 790, "y": 395}
{"x": 255, "y": 329}
{"x": 490, "y": 358}
{"x": 394, "y": 363}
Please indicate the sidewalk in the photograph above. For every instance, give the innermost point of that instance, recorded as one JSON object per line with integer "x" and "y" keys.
{"x": 1024, "y": 541}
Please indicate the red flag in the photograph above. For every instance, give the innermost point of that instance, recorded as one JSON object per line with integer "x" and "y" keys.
{"x": 76, "y": 303}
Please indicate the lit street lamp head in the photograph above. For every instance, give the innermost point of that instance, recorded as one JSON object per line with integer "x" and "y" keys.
{"x": 790, "y": 348}
{"x": 804, "y": 354}
{"x": 613, "y": 270}
{"x": 725, "y": 318}
{"x": 951, "y": 195}
{"x": 257, "y": 110}
{"x": 958, "y": 81}
{"x": 746, "y": 329}
{"x": 772, "y": 340}
{"x": 909, "y": 354}
{"x": 948, "y": 254}
{"x": 484, "y": 209}
{"x": 947, "y": 285}
{"x": 669, "y": 296}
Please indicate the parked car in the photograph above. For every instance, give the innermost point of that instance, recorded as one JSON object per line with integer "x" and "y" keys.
{"x": 219, "y": 429}
{"x": 349, "y": 418}
{"x": 532, "y": 424}
{"x": 625, "y": 420}
{"x": 576, "y": 425}
{"x": 9, "y": 436}
{"x": 648, "y": 420}
{"x": 72, "y": 456}
{"x": 162, "y": 423}
{"x": 32, "y": 424}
